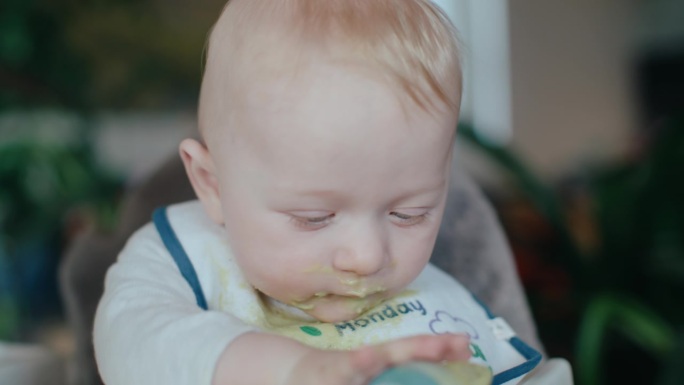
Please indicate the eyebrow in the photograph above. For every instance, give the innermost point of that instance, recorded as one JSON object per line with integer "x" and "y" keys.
{"x": 319, "y": 193}
{"x": 332, "y": 194}
{"x": 425, "y": 190}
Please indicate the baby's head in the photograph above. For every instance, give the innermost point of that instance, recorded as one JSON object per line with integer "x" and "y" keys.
{"x": 328, "y": 129}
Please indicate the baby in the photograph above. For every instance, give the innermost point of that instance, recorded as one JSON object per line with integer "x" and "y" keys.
{"x": 322, "y": 176}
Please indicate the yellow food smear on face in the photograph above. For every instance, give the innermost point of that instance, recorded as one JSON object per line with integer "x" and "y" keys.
{"x": 361, "y": 299}
{"x": 364, "y": 292}
{"x": 349, "y": 281}
{"x": 282, "y": 323}
{"x": 362, "y": 305}
{"x": 285, "y": 324}
{"x": 326, "y": 335}
{"x": 356, "y": 284}
{"x": 302, "y": 305}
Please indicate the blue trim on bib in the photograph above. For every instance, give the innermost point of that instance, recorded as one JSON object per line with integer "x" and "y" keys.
{"x": 532, "y": 356}
{"x": 175, "y": 248}
{"x": 484, "y": 307}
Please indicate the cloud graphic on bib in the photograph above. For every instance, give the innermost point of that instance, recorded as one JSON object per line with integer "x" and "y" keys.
{"x": 444, "y": 323}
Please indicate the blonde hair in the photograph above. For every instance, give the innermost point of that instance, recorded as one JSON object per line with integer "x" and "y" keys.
{"x": 410, "y": 42}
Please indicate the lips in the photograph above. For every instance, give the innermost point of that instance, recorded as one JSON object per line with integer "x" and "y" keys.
{"x": 355, "y": 293}
{"x": 353, "y": 303}
{"x": 364, "y": 292}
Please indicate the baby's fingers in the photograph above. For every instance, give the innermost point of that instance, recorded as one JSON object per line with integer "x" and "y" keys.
{"x": 333, "y": 368}
{"x": 449, "y": 347}
{"x": 374, "y": 359}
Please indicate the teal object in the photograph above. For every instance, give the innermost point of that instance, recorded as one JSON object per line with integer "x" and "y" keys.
{"x": 410, "y": 374}
{"x": 427, "y": 373}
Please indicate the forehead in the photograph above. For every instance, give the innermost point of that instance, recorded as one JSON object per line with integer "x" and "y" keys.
{"x": 321, "y": 100}
{"x": 320, "y": 97}
{"x": 330, "y": 124}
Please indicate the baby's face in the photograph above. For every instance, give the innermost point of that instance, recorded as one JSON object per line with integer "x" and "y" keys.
{"x": 332, "y": 189}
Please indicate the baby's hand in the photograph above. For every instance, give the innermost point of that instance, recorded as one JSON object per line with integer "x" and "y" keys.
{"x": 359, "y": 367}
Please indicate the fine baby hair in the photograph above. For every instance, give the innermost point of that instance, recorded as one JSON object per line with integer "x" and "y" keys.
{"x": 411, "y": 45}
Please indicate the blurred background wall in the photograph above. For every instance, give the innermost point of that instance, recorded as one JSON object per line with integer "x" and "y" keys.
{"x": 573, "y": 78}
{"x": 570, "y": 123}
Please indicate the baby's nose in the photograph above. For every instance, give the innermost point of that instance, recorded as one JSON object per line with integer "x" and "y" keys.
{"x": 363, "y": 257}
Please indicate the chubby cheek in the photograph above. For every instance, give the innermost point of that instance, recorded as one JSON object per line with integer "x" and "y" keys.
{"x": 411, "y": 254}
{"x": 271, "y": 260}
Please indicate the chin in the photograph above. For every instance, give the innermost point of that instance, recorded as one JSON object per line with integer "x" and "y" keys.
{"x": 334, "y": 317}
{"x": 344, "y": 310}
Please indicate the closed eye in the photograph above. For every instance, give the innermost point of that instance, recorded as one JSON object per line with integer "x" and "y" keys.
{"x": 405, "y": 219}
{"x": 311, "y": 223}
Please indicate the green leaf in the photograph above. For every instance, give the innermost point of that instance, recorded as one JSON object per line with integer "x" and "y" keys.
{"x": 609, "y": 312}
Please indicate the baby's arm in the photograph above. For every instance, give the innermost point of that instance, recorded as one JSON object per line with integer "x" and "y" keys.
{"x": 260, "y": 358}
{"x": 148, "y": 327}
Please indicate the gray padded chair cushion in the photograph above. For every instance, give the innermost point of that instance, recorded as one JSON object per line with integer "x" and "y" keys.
{"x": 470, "y": 246}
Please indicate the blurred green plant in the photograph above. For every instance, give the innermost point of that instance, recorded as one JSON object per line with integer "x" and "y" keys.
{"x": 37, "y": 65}
{"x": 112, "y": 54}
{"x": 44, "y": 184}
{"x": 77, "y": 58}
{"x": 630, "y": 283}
{"x": 40, "y": 182}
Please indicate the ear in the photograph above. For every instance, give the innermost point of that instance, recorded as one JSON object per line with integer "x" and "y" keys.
{"x": 202, "y": 174}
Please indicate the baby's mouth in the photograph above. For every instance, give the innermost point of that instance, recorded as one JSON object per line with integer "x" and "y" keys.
{"x": 360, "y": 293}
{"x": 358, "y": 300}
{"x": 353, "y": 294}
{"x": 364, "y": 292}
